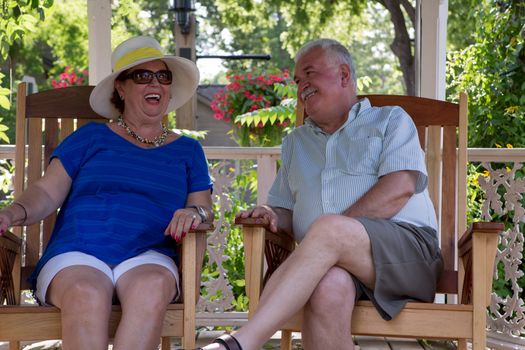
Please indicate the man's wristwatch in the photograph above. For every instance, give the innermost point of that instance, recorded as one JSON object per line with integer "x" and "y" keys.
{"x": 201, "y": 211}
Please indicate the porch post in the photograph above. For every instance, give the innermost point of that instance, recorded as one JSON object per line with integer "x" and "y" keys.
{"x": 185, "y": 47}
{"x": 431, "y": 42}
{"x": 99, "y": 39}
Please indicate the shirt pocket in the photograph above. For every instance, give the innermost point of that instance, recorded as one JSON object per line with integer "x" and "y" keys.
{"x": 363, "y": 154}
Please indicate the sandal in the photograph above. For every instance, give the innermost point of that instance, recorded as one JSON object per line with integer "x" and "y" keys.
{"x": 229, "y": 342}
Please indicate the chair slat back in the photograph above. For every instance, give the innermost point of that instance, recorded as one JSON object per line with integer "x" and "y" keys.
{"x": 43, "y": 120}
{"x": 442, "y": 133}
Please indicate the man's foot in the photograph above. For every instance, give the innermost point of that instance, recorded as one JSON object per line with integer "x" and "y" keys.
{"x": 224, "y": 342}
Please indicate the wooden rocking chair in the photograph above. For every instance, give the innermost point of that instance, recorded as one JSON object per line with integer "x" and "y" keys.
{"x": 468, "y": 255}
{"x": 42, "y": 121}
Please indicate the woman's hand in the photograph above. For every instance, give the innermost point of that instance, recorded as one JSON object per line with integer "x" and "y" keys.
{"x": 6, "y": 220}
{"x": 14, "y": 214}
{"x": 183, "y": 220}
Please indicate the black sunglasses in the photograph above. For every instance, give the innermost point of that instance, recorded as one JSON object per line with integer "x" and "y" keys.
{"x": 145, "y": 76}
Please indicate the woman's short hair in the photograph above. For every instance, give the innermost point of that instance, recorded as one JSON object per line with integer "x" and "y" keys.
{"x": 337, "y": 53}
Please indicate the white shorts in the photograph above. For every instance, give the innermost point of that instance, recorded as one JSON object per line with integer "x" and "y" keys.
{"x": 61, "y": 261}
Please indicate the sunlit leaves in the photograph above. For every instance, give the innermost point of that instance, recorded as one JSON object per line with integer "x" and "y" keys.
{"x": 281, "y": 113}
{"x": 18, "y": 17}
{"x": 492, "y": 72}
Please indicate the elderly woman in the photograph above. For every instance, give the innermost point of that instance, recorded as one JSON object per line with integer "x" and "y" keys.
{"x": 126, "y": 190}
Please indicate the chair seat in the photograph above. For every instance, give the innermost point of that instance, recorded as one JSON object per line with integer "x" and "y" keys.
{"x": 414, "y": 321}
{"x": 43, "y": 322}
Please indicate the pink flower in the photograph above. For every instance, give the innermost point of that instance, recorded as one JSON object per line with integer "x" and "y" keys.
{"x": 69, "y": 77}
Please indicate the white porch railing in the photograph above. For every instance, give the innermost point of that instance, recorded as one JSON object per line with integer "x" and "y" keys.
{"x": 504, "y": 189}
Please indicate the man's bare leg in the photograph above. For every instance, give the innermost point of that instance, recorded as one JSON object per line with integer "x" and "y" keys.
{"x": 333, "y": 240}
{"x": 328, "y": 314}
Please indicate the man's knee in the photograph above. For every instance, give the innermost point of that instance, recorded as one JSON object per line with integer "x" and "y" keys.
{"x": 333, "y": 228}
{"x": 335, "y": 291}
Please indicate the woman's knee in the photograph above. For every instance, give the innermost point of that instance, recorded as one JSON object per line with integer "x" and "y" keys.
{"x": 335, "y": 291}
{"x": 156, "y": 287}
{"x": 87, "y": 294}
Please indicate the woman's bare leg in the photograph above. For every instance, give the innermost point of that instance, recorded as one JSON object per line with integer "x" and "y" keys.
{"x": 144, "y": 293}
{"x": 83, "y": 295}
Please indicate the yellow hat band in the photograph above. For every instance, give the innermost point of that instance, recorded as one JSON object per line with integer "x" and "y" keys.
{"x": 135, "y": 55}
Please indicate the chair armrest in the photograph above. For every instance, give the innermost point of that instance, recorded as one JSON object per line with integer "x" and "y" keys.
{"x": 262, "y": 222}
{"x": 477, "y": 251}
{"x": 484, "y": 228}
{"x": 203, "y": 227}
{"x": 10, "y": 242}
{"x": 280, "y": 238}
{"x": 10, "y": 247}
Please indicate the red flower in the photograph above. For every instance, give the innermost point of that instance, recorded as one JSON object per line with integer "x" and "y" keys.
{"x": 69, "y": 78}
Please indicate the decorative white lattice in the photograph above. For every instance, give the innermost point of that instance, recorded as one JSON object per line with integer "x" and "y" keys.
{"x": 504, "y": 198}
{"x": 219, "y": 294}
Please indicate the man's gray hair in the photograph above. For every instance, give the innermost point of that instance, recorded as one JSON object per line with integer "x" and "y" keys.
{"x": 335, "y": 51}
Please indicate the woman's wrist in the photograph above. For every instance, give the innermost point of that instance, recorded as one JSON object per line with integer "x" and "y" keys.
{"x": 205, "y": 214}
{"x": 21, "y": 209}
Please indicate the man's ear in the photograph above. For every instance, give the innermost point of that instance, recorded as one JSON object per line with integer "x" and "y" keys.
{"x": 346, "y": 75}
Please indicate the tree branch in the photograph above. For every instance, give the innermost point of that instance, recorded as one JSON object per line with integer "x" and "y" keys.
{"x": 401, "y": 46}
{"x": 410, "y": 10}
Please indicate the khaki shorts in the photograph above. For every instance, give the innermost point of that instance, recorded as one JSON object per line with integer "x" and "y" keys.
{"x": 407, "y": 262}
{"x": 61, "y": 261}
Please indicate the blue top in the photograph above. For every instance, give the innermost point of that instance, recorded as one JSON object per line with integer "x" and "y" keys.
{"x": 325, "y": 173}
{"x": 122, "y": 196}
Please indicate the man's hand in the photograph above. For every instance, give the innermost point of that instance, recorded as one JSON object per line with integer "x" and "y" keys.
{"x": 265, "y": 212}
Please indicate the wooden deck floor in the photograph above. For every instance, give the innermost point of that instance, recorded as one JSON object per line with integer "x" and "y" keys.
{"x": 364, "y": 343}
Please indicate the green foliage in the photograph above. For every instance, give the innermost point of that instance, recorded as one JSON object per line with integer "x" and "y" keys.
{"x": 475, "y": 194}
{"x": 17, "y": 17}
{"x": 492, "y": 72}
{"x": 282, "y": 27}
{"x": 194, "y": 134}
{"x": 6, "y": 181}
{"x": 281, "y": 113}
{"x": 255, "y": 27}
{"x": 462, "y": 22}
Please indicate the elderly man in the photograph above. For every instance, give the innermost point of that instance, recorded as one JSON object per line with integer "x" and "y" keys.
{"x": 353, "y": 191}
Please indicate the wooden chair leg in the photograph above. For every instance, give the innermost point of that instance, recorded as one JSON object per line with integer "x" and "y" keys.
{"x": 14, "y": 345}
{"x": 462, "y": 344}
{"x": 165, "y": 343}
{"x": 286, "y": 340}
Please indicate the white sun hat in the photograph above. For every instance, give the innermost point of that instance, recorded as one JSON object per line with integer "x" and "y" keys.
{"x": 133, "y": 52}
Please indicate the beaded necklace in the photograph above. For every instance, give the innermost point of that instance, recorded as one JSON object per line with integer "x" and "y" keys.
{"x": 157, "y": 141}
